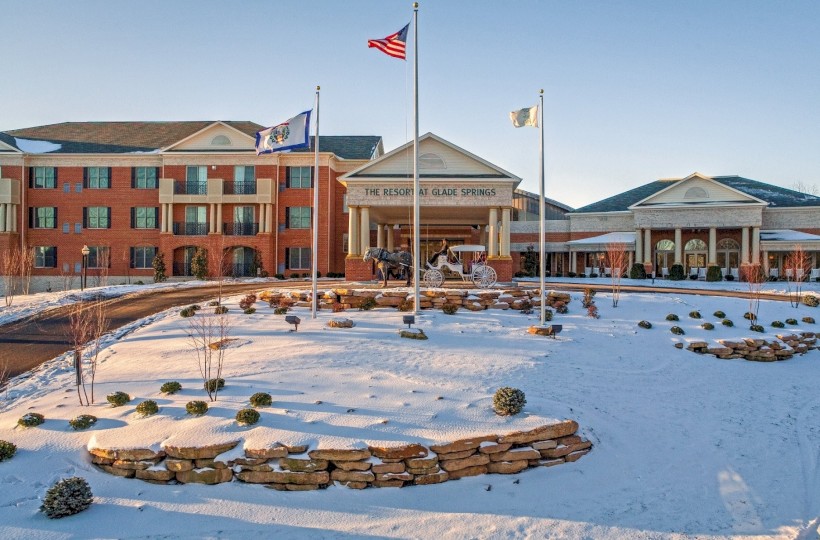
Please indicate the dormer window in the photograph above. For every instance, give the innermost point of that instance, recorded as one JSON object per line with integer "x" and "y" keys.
{"x": 220, "y": 140}
{"x": 696, "y": 193}
{"x": 431, "y": 161}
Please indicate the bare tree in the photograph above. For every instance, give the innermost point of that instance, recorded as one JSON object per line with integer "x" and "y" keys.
{"x": 99, "y": 327}
{"x": 208, "y": 333}
{"x": 67, "y": 277}
{"x": 4, "y": 376}
{"x": 80, "y": 332}
{"x": 10, "y": 263}
{"x": 616, "y": 253}
{"x": 26, "y": 266}
{"x": 797, "y": 267}
{"x": 103, "y": 266}
{"x": 809, "y": 189}
{"x": 126, "y": 259}
{"x": 755, "y": 278}
{"x": 219, "y": 265}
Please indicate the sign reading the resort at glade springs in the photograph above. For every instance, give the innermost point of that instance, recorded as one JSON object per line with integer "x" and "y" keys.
{"x": 430, "y": 195}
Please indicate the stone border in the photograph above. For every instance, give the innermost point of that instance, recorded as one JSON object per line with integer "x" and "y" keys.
{"x": 756, "y": 349}
{"x": 296, "y": 468}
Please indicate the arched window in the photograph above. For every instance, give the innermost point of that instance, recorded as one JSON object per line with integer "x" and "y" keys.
{"x": 695, "y": 244}
{"x": 696, "y": 193}
{"x": 665, "y": 245}
{"x": 220, "y": 140}
{"x": 431, "y": 161}
{"x": 728, "y": 243}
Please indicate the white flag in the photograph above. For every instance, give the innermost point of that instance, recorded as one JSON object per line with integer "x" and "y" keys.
{"x": 525, "y": 117}
{"x": 286, "y": 136}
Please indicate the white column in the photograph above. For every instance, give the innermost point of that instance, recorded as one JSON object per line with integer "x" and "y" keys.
{"x": 380, "y": 235}
{"x": 712, "y": 246}
{"x": 755, "y": 245}
{"x": 744, "y": 246}
{"x": 631, "y": 261}
{"x": 492, "y": 251}
{"x": 573, "y": 262}
{"x": 3, "y": 217}
{"x": 211, "y": 217}
{"x": 647, "y": 246}
{"x": 365, "y": 230}
{"x": 269, "y": 222}
{"x": 505, "y": 232}
{"x": 218, "y": 226}
{"x": 262, "y": 208}
{"x": 678, "y": 247}
{"x": 170, "y": 209}
{"x": 638, "y": 246}
{"x": 353, "y": 235}
{"x": 766, "y": 263}
{"x": 390, "y": 234}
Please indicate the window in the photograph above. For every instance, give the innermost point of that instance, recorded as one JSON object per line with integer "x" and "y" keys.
{"x": 45, "y": 257}
{"x": 220, "y": 140}
{"x": 298, "y": 258}
{"x": 43, "y": 177}
{"x": 97, "y": 177}
{"x": 299, "y": 177}
{"x": 143, "y": 257}
{"x": 696, "y": 193}
{"x": 244, "y": 178}
{"x": 144, "y": 217}
{"x": 66, "y": 188}
{"x": 99, "y": 257}
{"x": 66, "y": 228}
{"x": 298, "y": 217}
{"x": 97, "y": 217}
{"x": 431, "y": 161}
{"x": 144, "y": 177}
{"x": 43, "y": 218}
{"x": 196, "y": 180}
{"x": 345, "y": 208}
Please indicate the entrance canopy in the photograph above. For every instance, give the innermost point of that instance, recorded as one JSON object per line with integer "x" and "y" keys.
{"x": 602, "y": 242}
{"x": 787, "y": 240}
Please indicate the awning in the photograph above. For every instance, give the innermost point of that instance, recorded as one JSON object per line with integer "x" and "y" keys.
{"x": 787, "y": 240}
{"x": 603, "y": 242}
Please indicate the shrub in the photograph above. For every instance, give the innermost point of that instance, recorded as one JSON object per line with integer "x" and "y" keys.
{"x": 749, "y": 316}
{"x": 729, "y": 277}
{"x": 727, "y": 322}
{"x": 405, "y": 305}
{"x": 693, "y": 277}
{"x": 637, "y": 271}
{"x": 83, "y": 421}
{"x": 213, "y": 385}
{"x": 147, "y": 407}
{"x": 713, "y": 273}
{"x": 449, "y": 309}
{"x": 196, "y": 408}
{"x": 719, "y": 314}
{"x": 247, "y": 301}
{"x": 213, "y": 303}
{"x": 694, "y": 314}
{"x": 187, "y": 312}
{"x": 592, "y": 311}
{"x": 66, "y": 498}
{"x": 559, "y": 274}
{"x": 249, "y": 311}
{"x": 294, "y": 275}
{"x": 281, "y": 310}
{"x": 31, "y": 419}
{"x": 508, "y": 401}
{"x": 305, "y": 275}
{"x": 560, "y": 307}
{"x": 571, "y": 274}
{"x": 811, "y": 300}
{"x": 593, "y": 275}
{"x": 707, "y": 326}
{"x": 645, "y": 324}
{"x": 279, "y": 276}
{"x": 791, "y": 321}
{"x": 676, "y": 273}
{"x": 757, "y": 328}
{"x": 589, "y": 294}
{"x": 778, "y": 324}
{"x": 261, "y": 399}
{"x": 677, "y": 330}
{"x": 582, "y": 275}
{"x": 7, "y": 450}
{"x": 808, "y": 320}
{"x": 548, "y": 314}
{"x": 195, "y": 307}
{"x": 368, "y": 303}
{"x": 247, "y": 416}
{"x": 170, "y": 387}
{"x": 672, "y": 317}
{"x": 220, "y": 310}
{"x": 118, "y": 399}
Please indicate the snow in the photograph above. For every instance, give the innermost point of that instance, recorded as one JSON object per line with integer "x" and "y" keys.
{"x": 32, "y": 146}
{"x": 608, "y": 238}
{"x": 685, "y": 445}
{"x": 787, "y": 235}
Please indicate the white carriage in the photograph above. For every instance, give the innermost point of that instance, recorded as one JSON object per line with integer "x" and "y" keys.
{"x": 455, "y": 263}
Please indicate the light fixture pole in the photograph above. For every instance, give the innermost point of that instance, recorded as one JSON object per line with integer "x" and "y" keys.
{"x": 85, "y": 251}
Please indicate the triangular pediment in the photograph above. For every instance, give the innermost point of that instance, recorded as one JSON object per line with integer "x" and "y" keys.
{"x": 7, "y": 148}
{"x": 438, "y": 159}
{"x": 696, "y": 190}
{"x": 216, "y": 137}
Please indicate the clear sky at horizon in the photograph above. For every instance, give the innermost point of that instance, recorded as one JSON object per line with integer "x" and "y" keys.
{"x": 634, "y": 90}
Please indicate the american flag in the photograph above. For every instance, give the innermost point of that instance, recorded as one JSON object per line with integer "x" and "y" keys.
{"x": 393, "y": 45}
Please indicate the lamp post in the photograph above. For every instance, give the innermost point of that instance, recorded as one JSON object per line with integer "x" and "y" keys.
{"x": 85, "y": 251}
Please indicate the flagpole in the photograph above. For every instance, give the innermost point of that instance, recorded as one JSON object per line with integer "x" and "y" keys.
{"x": 541, "y": 261}
{"x": 416, "y": 241}
{"x": 315, "y": 246}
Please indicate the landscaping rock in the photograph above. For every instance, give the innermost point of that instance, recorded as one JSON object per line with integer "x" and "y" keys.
{"x": 553, "y": 431}
{"x": 205, "y": 476}
{"x": 200, "y": 452}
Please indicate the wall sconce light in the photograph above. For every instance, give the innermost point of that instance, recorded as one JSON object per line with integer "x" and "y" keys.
{"x": 213, "y": 167}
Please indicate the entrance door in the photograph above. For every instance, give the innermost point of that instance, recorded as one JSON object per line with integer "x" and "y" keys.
{"x": 694, "y": 260}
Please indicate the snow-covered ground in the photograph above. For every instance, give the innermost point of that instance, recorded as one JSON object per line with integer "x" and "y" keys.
{"x": 685, "y": 445}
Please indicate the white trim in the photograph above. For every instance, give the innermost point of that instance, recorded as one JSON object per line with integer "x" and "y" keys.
{"x": 206, "y": 128}
{"x": 10, "y": 147}
{"x": 673, "y": 184}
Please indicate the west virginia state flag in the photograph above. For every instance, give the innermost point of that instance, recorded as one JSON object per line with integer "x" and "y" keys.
{"x": 525, "y": 117}
{"x": 286, "y": 136}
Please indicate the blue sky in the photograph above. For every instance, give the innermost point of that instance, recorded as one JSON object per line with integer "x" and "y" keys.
{"x": 634, "y": 90}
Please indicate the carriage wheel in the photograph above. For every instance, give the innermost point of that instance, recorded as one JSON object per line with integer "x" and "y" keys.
{"x": 433, "y": 278}
{"x": 484, "y": 276}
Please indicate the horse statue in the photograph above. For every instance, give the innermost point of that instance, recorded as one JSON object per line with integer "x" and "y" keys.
{"x": 394, "y": 263}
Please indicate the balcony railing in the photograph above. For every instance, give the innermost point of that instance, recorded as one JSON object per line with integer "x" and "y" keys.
{"x": 232, "y": 187}
{"x": 240, "y": 229}
{"x": 185, "y": 187}
{"x": 191, "y": 229}
{"x": 182, "y": 269}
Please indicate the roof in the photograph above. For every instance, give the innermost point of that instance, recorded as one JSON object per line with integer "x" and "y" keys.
{"x": 606, "y": 239}
{"x": 348, "y": 146}
{"x": 775, "y": 196}
{"x": 8, "y": 139}
{"x": 547, "y": 200}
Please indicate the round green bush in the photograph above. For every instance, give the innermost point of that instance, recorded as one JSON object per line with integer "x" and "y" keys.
{"x": 31, "y": 419}
{"x": 280, "y": 310}
{"x": 170, "y": 387}
{"x": 196, "y": 408}
{"x": 713, "y": 273}
{"x": 707, "y": 326}
{"x": 727, "y": 322}
{"x": 195, "y": 307}
{"x": 645, "y": 324}
{"x": 368, "y": 303}
{"x": 547, "y": 314}
{"x": 247, "y": 417}
{"x": 220, "y": 310}
{"x": 508, "y": 401}
{"x": 719, "y": 314}
{"x": 212, "y": 385}
{"x": 67, "y": 497}
{"x": 449, "y": 309}
{"x": 148, "y": 407}
{"x": 213, "y": 303}
{"x": 118, "y": 399}
{"x": 694, "y": 314}
{"x": 187, "y": 312}
{"x": 249, "y": 311}
{"x": 7, "y": 450}
{"x": 672, "y": 317}
{"x": 791, "y": 321}
{"x": 757, "y": 328}
{"x": 84, "y": 421}
{"x": 676, "y": 273}
{"x": 261, "y": 399}
{"x": 749, "y": 316}
{"x": 637, "y": 271}
{"x": 677, "y": 330}
{"x": 778, "y": 324}
{"x": 811, "y": 300}
{"x": 808, "y": 320}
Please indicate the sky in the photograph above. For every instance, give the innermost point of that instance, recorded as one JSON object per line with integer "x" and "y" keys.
{"x": 633, "y": 90}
